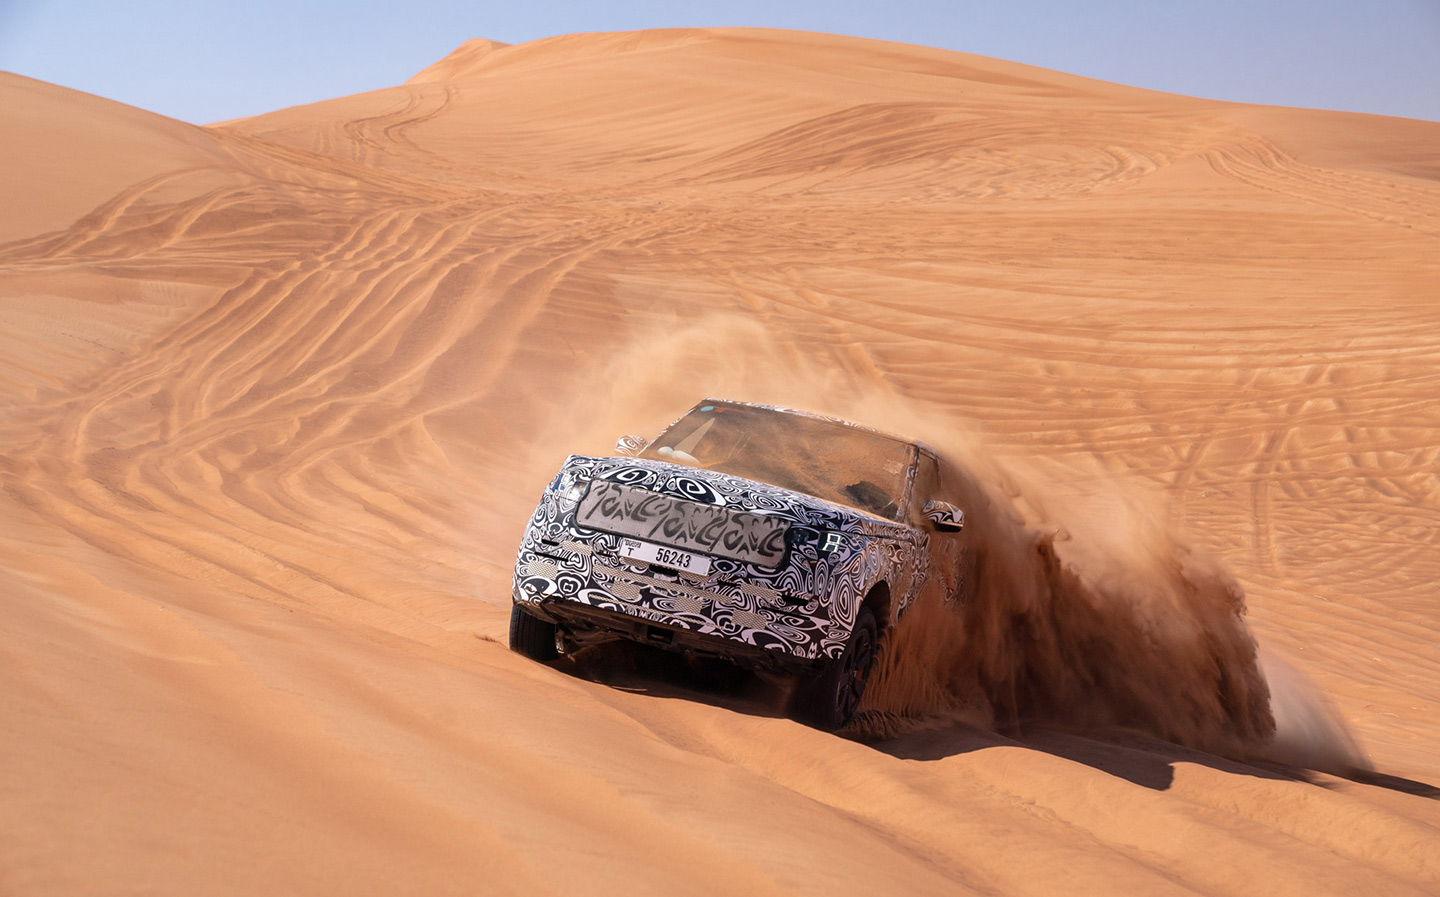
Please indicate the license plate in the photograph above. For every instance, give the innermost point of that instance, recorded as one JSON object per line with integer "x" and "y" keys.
{"x": 674, "y": 558}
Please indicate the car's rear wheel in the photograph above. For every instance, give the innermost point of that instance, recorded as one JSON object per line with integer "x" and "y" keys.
{"x": 829, "y": 701}
{"x": 532, "y": 636}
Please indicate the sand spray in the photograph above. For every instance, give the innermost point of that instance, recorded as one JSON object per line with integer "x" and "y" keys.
{"x": 1077, "y": 604}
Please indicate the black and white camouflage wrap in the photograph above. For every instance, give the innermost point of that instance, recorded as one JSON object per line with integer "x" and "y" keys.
{"x": 804, "y": 606}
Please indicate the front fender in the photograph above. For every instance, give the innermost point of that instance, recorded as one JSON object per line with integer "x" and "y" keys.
{"x": 877, "y": 560}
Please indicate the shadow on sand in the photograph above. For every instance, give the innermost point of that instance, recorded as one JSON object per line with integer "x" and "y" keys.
{"x": 1139, "y": 759}
{"x": 1134, "y": 757}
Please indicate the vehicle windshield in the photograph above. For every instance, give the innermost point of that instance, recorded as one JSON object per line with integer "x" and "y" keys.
{"x": 829, "y": 460}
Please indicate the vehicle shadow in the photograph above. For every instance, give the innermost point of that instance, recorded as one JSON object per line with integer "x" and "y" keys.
{"x": 1135, "y": 757}
{"x": 1141, "y": 759}
{"x": 1396, "y": 783}
{"x": 642, "y": 669}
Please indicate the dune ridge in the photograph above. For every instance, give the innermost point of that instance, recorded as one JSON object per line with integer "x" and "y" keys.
{"x": 277, "y": 395}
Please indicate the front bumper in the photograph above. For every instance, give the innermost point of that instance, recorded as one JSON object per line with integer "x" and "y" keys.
{"x": 583, "y": 619}
{"x": 732, "y": 606}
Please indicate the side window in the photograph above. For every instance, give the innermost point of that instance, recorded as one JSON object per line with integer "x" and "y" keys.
{"x": 927, "y": 485}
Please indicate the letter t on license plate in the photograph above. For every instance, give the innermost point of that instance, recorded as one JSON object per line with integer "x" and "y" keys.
{"x": 674, "y": 558}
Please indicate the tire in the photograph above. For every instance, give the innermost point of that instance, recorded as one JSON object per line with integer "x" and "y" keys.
{"x": 829, "y": 700}
{"x": 532, "y": 636}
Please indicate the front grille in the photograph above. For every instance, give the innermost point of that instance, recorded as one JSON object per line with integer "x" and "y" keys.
{"x": 674, "y": 587}
{"x": 639, "y": 513}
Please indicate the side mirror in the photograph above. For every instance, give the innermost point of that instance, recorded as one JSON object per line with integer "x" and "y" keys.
{"x": 944, "y": 516}
{"x": 630, "y": 446}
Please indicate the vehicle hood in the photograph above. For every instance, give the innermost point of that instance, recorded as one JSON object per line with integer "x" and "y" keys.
{"x": 732, "y": 493}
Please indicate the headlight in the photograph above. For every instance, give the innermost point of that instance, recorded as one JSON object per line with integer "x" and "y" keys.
{"x": 571, "y": 486}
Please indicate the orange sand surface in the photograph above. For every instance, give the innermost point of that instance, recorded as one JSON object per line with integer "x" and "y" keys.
{"x": 277, "y": 396}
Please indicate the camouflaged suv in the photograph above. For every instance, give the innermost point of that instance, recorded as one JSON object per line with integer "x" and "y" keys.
{"x": 772, "y": 538}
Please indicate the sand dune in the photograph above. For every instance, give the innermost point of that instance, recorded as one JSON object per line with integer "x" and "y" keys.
{"x": 277, "y": 395}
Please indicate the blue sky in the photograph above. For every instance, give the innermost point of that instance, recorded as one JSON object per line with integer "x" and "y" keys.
{"x": 206, "y": 61}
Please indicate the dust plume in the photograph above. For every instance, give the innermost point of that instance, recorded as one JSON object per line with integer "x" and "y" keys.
{"x": 1076, "y": 605}
{"x": 1087, "y": 612}
{"x": 1309, "y": 732}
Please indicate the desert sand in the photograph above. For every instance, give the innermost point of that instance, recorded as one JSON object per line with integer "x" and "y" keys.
{"x": 277, "y": 396}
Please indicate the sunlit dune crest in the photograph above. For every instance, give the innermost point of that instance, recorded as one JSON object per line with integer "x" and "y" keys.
{"x": 278, "y": 395}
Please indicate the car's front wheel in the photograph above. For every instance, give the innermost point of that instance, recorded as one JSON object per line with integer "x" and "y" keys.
{"x": 532, "y": 636}
{"x": 829, "y": 700}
